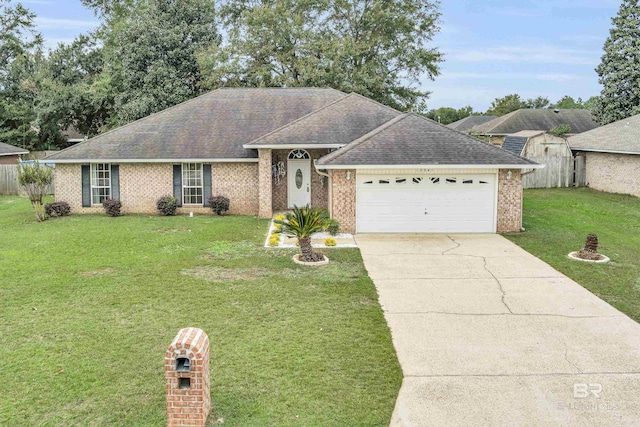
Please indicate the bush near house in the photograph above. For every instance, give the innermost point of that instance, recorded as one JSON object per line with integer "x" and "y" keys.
{"x": 167, "y": 205}
{"x": 57, "y": 209}
{"x": 112, "y": 207}
{"x": 219, "y": 204}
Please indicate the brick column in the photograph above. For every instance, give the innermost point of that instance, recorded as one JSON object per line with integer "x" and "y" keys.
{"x": 186, "y": 366}
{"x": 343, "y": 199}
{"x": 265, "y": 208}
{"x": 509, "y": 201}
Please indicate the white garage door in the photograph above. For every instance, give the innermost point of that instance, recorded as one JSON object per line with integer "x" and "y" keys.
{"x": 426, "y": 203}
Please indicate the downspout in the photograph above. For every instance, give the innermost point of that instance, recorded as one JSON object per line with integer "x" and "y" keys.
{"x": 319, "y": 172}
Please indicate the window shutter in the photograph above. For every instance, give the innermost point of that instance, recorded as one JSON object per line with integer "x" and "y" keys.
{"x": 177, "y": 183}
{"x": 86, "y": 186}
{"x": 115, "y": 182}
{"x": 206, "y": 184}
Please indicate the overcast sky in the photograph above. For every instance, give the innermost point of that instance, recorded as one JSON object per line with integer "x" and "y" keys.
{"x": 492, "y": 47}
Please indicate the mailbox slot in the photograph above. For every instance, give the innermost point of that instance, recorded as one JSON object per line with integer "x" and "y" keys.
{"x": 184, "y": 383}
{"x": 183, "y": 364}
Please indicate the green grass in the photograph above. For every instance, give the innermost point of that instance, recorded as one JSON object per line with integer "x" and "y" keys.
{"x": 557, "y": 222}
{"x": 89, "y": 304}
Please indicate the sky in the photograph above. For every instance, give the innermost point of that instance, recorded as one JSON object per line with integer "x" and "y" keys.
{"x": 491, "y": 48}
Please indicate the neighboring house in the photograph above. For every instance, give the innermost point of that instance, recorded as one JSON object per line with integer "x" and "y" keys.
{"x": 535, "y": 119}
{"x": 612, "y": 156}
{"x": 73, "y": 136}
{"x": 374, "y": 168}
{"x": 536, "y": 144}
{"x": 10, "y": 155}
{"x": 466, "y": 124}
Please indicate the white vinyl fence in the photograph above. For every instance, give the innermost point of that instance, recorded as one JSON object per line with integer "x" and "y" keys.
{"x": 9, "y": 181}
{"x": 559, "y": 172}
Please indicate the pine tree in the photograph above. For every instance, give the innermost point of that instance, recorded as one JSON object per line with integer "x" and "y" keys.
{"x": 619, "y": 70}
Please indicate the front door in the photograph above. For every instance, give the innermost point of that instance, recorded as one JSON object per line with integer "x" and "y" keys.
{"x": 299, "y": 173}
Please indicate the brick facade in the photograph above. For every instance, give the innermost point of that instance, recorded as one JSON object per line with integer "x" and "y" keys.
{"x": 142, "y": 184}
{"x": 188, "y": 385}
{"x": 614, "y": 173}
{"x": 319, "y": 186}
{"x": 343, "y": 199}
{"x": 509, "y": 201}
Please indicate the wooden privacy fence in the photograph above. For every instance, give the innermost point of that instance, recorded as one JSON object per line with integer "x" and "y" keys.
{"x": 9, "y": 181}
{"x": 559, "y": 172}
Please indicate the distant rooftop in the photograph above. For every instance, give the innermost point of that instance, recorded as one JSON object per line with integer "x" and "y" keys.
{"x": 538, "y": 119}
{"x": 464, "y": 125}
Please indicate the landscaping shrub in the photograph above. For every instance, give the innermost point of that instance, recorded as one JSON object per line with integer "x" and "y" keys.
{"x": 274, "y": 240}
{"x": 219, "y": 204}
{"x": 167, "y": 205}
{"x": 35, "y": 179}
{"x": 330, "y": 241}
{"x": 332, "y": 226}
{"x": 57, "y": 209}
{"x": 112, "y": 207}
{"x": 279, "y": 217}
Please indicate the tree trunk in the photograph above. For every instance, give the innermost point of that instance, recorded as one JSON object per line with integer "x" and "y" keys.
{"x": 306, "y": 249}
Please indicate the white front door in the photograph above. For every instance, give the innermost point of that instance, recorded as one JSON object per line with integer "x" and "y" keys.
{"x": 299, "y": 173}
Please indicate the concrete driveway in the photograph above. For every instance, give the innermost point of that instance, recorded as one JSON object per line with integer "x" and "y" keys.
{"x": 488, "y": 334}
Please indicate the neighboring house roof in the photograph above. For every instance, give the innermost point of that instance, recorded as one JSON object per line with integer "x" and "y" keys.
{"x": 515, "y": 143}
{"x": 10, "y": 150}
{"x": 538, "y": 119}
{"x": 73, "y": 135}
{"x": 334, "y": 125}
{"x": 618, "y": 137}
{"x": 411, "y": 139}
{"x": 215, "y": 125}
{"x": 464, "y": 125}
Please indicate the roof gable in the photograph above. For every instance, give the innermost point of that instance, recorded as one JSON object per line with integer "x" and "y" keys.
{"x": 411, "y": 139}
{"x": 621, "y": 136}
{"x": 335, "y": 124}
{"x": 538, "y": 119}
{"x": 215, "y": 125}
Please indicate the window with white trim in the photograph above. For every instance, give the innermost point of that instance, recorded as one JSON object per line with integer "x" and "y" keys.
{"x": 100, "y": 183}
{"x": 192, "y": 184}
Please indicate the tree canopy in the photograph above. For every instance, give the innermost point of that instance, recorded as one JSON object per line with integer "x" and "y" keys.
{"x": 619, "y": 71}
{"x": 447, "y": 115}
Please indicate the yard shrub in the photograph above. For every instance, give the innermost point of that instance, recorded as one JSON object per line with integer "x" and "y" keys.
{"x": 332, "y": 227}
{"x": 274, "y": 240}
{"x": 167, "y": 205}
{"x": 302, "y": 223}
{"x": 112, "y": 207}
{"x": 279, "y": 217}
{"x": 57, "y": 209}
{"x": 330, "y": 241}
{"x": 35, "y": 179}
{"x": 219, "y": 204}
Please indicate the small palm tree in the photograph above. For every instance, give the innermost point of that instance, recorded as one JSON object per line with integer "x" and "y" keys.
{"x": 302, "y": 223}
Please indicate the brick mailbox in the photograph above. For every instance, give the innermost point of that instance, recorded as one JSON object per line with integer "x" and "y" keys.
{"x": 186, "y": 366}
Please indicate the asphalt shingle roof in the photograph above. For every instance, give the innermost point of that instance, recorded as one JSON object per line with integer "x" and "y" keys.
{"x": 464, "y": 125}
{"x": 411, "y": 139}
{"x": 214, "y": 125}
{"x": 538, "y": 119}
{"x": 620, "y": 136}
{"x": 514, "y": 144}
{"x": 10, "y": 150}
{"x": 338, "y": 123}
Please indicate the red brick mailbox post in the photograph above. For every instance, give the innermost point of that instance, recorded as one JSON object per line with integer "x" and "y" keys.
{"x": 186, "y": 366}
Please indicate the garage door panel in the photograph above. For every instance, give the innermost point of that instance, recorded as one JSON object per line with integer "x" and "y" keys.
{"x": 426, "y": 203}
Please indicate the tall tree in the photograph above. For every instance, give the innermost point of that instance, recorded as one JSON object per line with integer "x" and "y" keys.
{"x": 20, "y": 45}
{"x": 151, "y": 54}
{"x": 447, "y": 115}
{"x": 567, "y": 102}
{"x": 619, "y": 71}
{"x": 539, "y": 102}
{"x": 376, "y": 48}
{"x": 506, "y": 105}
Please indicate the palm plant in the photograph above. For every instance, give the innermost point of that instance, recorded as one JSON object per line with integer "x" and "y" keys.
{"x": 302, "y": 223}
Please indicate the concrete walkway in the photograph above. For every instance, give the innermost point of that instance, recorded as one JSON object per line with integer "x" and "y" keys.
{"x": 488, "y": 334}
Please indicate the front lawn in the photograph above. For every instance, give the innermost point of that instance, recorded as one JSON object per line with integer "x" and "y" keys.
{"x": 89, "y": 304}
{"x": 557, "y": 222}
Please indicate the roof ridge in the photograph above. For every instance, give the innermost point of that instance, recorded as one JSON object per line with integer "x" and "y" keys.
{"x": 136, "y": 121}
{"x": 375, "y": 102}
{"x": 281, "y": 128}
{"x": 356, "y": 142}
